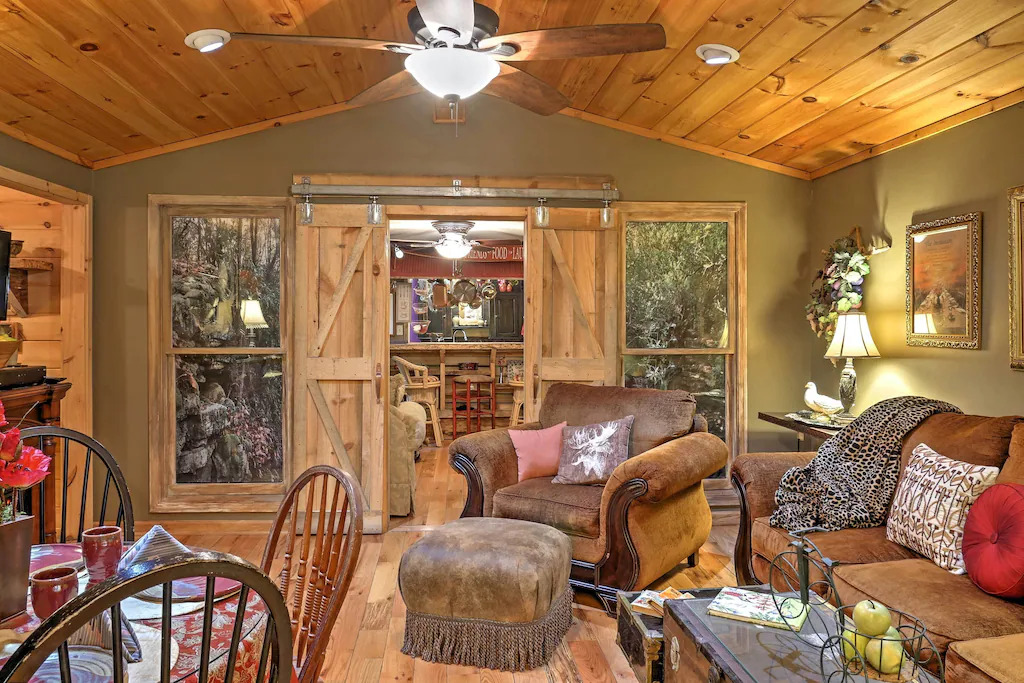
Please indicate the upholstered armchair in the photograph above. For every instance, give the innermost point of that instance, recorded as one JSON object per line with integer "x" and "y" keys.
{"x": 650, "y": 516}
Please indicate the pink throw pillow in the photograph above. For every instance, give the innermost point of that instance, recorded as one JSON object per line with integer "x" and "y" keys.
{"x": 537, "y": 451}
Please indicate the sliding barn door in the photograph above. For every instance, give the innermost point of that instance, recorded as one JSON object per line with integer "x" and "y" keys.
{"x": 572, "y": 302}
{"x": 342, "y": 350}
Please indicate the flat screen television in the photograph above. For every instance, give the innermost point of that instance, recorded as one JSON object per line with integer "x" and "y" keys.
{"x": 5, "y": 271}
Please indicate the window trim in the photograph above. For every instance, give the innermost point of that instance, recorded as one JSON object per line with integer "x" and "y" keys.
{"x": 734, "y": 214}
{"x": 165, "y": 494}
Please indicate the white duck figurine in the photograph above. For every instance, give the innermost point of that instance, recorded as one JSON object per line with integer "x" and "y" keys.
{"x": 819, "y": 403}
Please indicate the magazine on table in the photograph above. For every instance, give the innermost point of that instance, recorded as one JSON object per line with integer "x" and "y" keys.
{"x": 758, "y": 608}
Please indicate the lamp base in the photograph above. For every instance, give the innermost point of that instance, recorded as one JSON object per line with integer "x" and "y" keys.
{"x": 848, "y": 387}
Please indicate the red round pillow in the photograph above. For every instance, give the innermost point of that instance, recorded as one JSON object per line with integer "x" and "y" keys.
{"x": 994, "y": 541}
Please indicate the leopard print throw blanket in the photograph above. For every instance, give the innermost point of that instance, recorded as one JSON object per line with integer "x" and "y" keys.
{"x": 851, "y": 481}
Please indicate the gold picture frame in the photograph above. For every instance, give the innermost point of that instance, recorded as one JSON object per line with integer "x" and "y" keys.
{"x": 1016, "y": 197}
{"x": 944, "y": 282}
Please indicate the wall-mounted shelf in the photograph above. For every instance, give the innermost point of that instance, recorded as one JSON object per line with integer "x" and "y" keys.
{"x": 20, "y": 268}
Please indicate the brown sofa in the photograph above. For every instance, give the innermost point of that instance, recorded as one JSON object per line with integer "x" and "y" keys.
{"x": 651, "y": 514}
{"x": 976, "y": 628}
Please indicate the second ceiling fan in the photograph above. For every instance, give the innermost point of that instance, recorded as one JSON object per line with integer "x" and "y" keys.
{"x": 459, "y": 53}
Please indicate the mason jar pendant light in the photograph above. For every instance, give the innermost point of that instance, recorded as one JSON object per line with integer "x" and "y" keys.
{"x": 375, "y": 211}
{"x": 607, "y": 215}
{"x": 541, "y": 216}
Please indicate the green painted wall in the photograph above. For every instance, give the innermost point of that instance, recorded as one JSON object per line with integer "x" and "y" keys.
{"x": 965, "y": 169}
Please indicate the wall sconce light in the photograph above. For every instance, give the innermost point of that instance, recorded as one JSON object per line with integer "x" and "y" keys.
{"x": 375, "y": 211}
{"x": 306, "y": 216}
{"x": 541, "y": 215}
{"x": 399, "y": 253}
{"x": 607, "y": 215}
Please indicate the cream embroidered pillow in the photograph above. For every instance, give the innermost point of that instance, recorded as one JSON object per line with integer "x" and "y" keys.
{"x": 931, "y": 505}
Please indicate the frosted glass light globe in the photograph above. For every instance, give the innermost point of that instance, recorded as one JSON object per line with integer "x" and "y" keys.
{"x": 452, "y": 247}
{"x": 452, "y": 71}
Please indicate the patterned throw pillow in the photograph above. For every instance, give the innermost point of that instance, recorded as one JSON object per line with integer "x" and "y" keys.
{"x": 591, "y": 453}
{"x": 931, "y": 504}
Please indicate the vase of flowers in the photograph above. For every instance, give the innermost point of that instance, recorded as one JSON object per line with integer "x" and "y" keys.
{"x": 21, "y": 467}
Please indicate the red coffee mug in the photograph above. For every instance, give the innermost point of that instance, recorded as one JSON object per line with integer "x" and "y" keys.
{"x": 51, "y": 588}
{"x": 102, "y": 550}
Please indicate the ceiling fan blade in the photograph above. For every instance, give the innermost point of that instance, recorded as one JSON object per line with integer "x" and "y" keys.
{"x": 401, "y": 84}
{"x": 454, "y": 14}
{"x": 330, "y": 41}
{"x": 529, "y": 92}
{"x": 578, "y": 41}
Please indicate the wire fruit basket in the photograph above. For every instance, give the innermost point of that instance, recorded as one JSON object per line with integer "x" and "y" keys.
{"x": 800, "y": 578}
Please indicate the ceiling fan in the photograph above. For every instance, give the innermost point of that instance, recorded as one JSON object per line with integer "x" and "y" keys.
{"x": 453, "y": 239}
{"x": 458, "y": 53}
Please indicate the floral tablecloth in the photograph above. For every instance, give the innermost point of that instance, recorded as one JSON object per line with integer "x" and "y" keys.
{"x": 186, "y": 629}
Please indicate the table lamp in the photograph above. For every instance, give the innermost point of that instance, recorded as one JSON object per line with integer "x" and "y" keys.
{"x": 852, "y": 340}
{"x": 252, "y": 317}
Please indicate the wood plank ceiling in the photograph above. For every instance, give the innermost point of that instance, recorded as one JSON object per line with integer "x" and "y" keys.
{"x": 820, "y": 84}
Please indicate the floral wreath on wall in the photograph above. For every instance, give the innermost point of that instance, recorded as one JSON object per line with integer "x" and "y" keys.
{"x": 838, "y": 287}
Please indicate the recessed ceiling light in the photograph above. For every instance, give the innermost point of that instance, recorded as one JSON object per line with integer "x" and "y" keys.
{"x": 714, "y": 54}
{"x": 207, "y": 39}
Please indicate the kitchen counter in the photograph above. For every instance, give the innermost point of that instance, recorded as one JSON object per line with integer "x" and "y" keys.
{"x": 458, "y": 346}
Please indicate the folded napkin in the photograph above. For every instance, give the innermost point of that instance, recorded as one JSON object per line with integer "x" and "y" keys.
{"x": 155, "y": 544}
{"x": 99, "y": 634}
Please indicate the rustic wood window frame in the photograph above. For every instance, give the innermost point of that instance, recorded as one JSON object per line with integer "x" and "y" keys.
{"x": 165, "y": 494}
{"x": 734, "y": 214}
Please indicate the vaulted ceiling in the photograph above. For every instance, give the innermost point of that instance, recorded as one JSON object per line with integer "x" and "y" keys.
{"x": 820, "y": 84}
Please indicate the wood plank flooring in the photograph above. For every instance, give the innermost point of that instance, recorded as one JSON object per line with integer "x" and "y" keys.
{"x": 367, "y": 640}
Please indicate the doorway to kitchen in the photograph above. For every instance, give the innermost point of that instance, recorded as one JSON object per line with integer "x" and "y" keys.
{"x": 457, "y": 313}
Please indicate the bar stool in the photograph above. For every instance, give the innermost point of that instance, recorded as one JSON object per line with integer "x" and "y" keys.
{"x": 518, "y": 400}
{"x": 422, "y": 388}
{"x": 473, "y": 399}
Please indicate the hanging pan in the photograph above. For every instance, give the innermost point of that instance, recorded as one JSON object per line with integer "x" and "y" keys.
{"x": 463, "y": 291}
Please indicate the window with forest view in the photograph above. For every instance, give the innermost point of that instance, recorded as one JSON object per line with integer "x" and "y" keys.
{"x": 227, "y": 345}
{"x": 677, "y": 300}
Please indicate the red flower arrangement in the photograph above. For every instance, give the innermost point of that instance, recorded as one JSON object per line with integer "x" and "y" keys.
{"x": 21, "y": 467}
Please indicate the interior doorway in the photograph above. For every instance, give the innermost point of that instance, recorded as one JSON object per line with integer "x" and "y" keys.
{"x": 458, "y": 301}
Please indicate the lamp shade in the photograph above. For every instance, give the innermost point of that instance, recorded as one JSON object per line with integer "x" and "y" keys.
{"x": 252, "y": 314}
{"x": 452, "y": 71}
{"x": 852, "y": 338}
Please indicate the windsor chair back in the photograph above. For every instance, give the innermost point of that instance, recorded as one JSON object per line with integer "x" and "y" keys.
{"x": 320, "y": 546}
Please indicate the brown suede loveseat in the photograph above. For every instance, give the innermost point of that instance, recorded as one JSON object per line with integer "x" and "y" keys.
{"x": 984, "y": 635}
{"x": 651, "y": 515}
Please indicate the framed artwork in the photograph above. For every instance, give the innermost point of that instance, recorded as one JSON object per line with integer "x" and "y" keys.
{"x": 944, "y": 282}
{"x": 1016, "y": 283}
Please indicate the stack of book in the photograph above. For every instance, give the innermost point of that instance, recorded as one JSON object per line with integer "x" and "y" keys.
{"x": 652, "y": 603}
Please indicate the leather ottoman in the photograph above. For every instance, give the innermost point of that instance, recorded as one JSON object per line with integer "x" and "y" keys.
{"x": 485, "y": 592}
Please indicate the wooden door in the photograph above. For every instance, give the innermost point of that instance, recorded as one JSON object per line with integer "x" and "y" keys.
{"x": 572, "y": 302}
{"x": 341, "y": 345}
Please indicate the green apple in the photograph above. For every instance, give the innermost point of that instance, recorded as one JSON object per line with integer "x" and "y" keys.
{"x": 885, "y": 654}
{"x": 853, "y": 641}
{"x": 871, "y": 618}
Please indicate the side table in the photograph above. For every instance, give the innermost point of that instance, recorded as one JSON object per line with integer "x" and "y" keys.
{"x": 802, "y": 429}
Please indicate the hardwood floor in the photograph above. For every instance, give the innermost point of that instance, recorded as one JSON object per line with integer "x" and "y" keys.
{"x": 367, "y": 640}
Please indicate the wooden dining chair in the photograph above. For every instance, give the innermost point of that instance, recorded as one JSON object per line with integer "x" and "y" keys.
{"x": 422, "y": 388}
{"x": 97, "y": 462}
{"x": 319, "y": 527}
{"x": 44, "y": 654}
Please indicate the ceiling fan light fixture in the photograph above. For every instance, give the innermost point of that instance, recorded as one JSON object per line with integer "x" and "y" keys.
{"x": 714, "y": 54}
{"x": 447, "y": 71}
{"x": 453, "y": 246}
{"x": 208, "y": 39}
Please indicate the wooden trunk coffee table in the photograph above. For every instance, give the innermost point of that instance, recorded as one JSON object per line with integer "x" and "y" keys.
{"x": 702, "y": 647}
